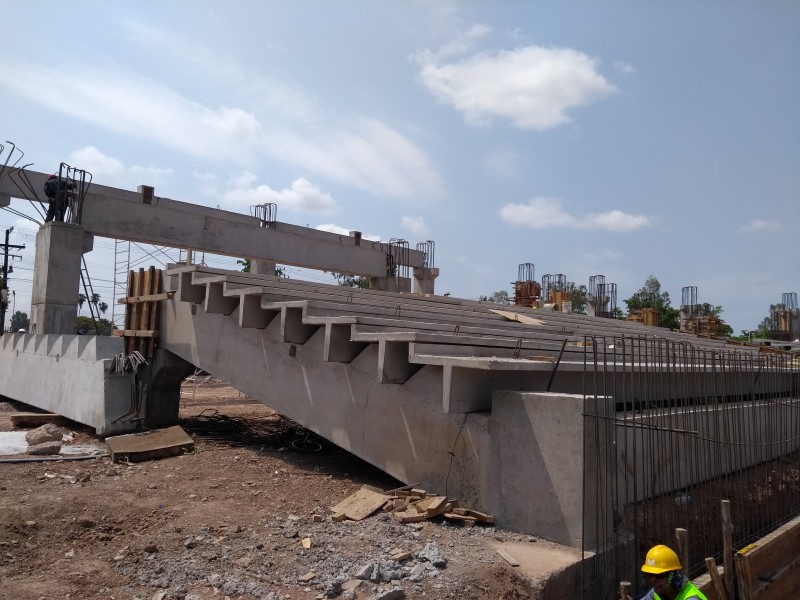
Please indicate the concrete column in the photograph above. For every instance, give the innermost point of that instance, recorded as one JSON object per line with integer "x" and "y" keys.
{"x": 262, "y": 267}
{"x": 162, "y": 379}
{"x": 424, "y": 278}
{"x": 56, "y": 277}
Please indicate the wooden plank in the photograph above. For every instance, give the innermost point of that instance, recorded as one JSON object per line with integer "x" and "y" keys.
{"x": 744, "y": 575}
{"x": 773, "y": 549}
{"x": 135, "y": 333}
{"x": 160, "y": 443}
{"x": 402, "y": 516}
{"x": 435, "y": 505}
{"x": 468, "y": 512}
{"x": 727, "y": 547}
{"x": 462, "y": 518}
{"x": 515, "y": 316}
{"x": 508, "y": 558}
{"x": 29, "y": 419}
{"x": 682, "y": 538}
{"x": 360, "y": 505}
{"x": 716, "y": 580}
{"x": 781, "y": 585}
{"x": 146, "y": 298}
{"x": 155, "y": 287}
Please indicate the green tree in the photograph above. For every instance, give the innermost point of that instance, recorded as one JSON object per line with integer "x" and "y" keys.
{"x": 354, "y": 281}
{"x": 20, "y": 320}
{"x": 577, "y": 295}
{"x": 86, "y": 326}
{"x": 651, "y": 296}
{"x": 500, "y": 297}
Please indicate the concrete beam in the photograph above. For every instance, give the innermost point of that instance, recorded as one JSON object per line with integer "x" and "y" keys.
{"x": 144, "y": 217}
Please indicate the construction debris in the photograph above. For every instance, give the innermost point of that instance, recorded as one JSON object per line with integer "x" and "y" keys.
{"x": 407, "y": 505}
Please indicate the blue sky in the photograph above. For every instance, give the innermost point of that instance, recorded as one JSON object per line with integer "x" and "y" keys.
{"x": 620, "y": 138}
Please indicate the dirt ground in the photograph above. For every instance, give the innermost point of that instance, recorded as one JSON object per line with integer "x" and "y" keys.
{"x": 230, "y": 521}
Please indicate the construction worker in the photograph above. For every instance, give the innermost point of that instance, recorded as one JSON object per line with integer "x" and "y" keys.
{"x": 59, "y": 193}
{"x": 663, "y": 571}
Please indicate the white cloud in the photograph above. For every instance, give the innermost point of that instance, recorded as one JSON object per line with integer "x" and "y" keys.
{"x": 761, "y": 226}
{"x": 302, "y": 196}
{"x": 101, "y": 166}
{"x": 415, "y": 225}
{"x": 355, "y": 150}
{"x": 624, "y": 67}
{"x": 544, "y": 213}
{"x": 331, "y": 228}
{"x": 107, "y": 170}
{"x": 531, "y": 86}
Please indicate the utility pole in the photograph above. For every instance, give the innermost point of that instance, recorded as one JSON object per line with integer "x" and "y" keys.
{"x": 4, "y": 290}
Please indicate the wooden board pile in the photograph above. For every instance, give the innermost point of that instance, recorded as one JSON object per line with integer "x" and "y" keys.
{"x": 407, "y": 504}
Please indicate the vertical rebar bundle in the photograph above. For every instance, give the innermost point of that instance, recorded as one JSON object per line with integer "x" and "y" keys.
{"x": 526, "y": 289}
{"x": 682, "y": 429}
{"x": 427, "y": 248}
{"x": 266, "y": 213}
{"x": 397, "y": 258}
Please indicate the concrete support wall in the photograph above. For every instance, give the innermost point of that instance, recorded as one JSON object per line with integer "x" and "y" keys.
{"x": 56, "y": 277}
{"x": 66, "y": 374}
{"x": 685, "y": 444}
{"x": 542, "y": 452}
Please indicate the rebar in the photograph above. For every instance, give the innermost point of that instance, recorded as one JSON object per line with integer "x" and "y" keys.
{"x": 682, "y": 429}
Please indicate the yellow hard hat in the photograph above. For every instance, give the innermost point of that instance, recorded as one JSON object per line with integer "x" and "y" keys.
{"x": 661, "y": 559}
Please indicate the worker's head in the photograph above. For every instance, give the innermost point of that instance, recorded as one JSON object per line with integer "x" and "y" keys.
{"x": 49, "y": 177}
{"x": 660, "y": 565}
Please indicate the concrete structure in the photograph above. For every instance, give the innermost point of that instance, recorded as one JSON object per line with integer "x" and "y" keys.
{"x": 56, "y": 282}
{"x": 555, "y": 423}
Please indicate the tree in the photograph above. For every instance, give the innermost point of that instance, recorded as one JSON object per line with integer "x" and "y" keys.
{"x": 651, "y": 296}
{"x": 578, "y": 298}
{"x": 20, "y": 320}
{"x": 86, "y": 326}
{"x": 354, "y": 281}
{"x": 500, "y": 297}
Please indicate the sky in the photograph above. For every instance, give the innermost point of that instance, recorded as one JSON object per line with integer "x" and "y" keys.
{"x": 616, "y": 138}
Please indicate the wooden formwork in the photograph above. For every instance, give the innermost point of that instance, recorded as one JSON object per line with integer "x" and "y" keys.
{"x": 768, "y": 569}
{"x": 141, "y": 311}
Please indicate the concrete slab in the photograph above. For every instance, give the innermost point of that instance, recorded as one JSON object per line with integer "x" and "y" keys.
{"x": 137, "y": 447}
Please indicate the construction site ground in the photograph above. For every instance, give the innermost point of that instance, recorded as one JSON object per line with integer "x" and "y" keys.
{"x": 245, "y": 516}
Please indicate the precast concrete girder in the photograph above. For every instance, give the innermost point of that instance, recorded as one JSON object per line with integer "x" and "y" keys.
{"x": 143, "y": 217}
